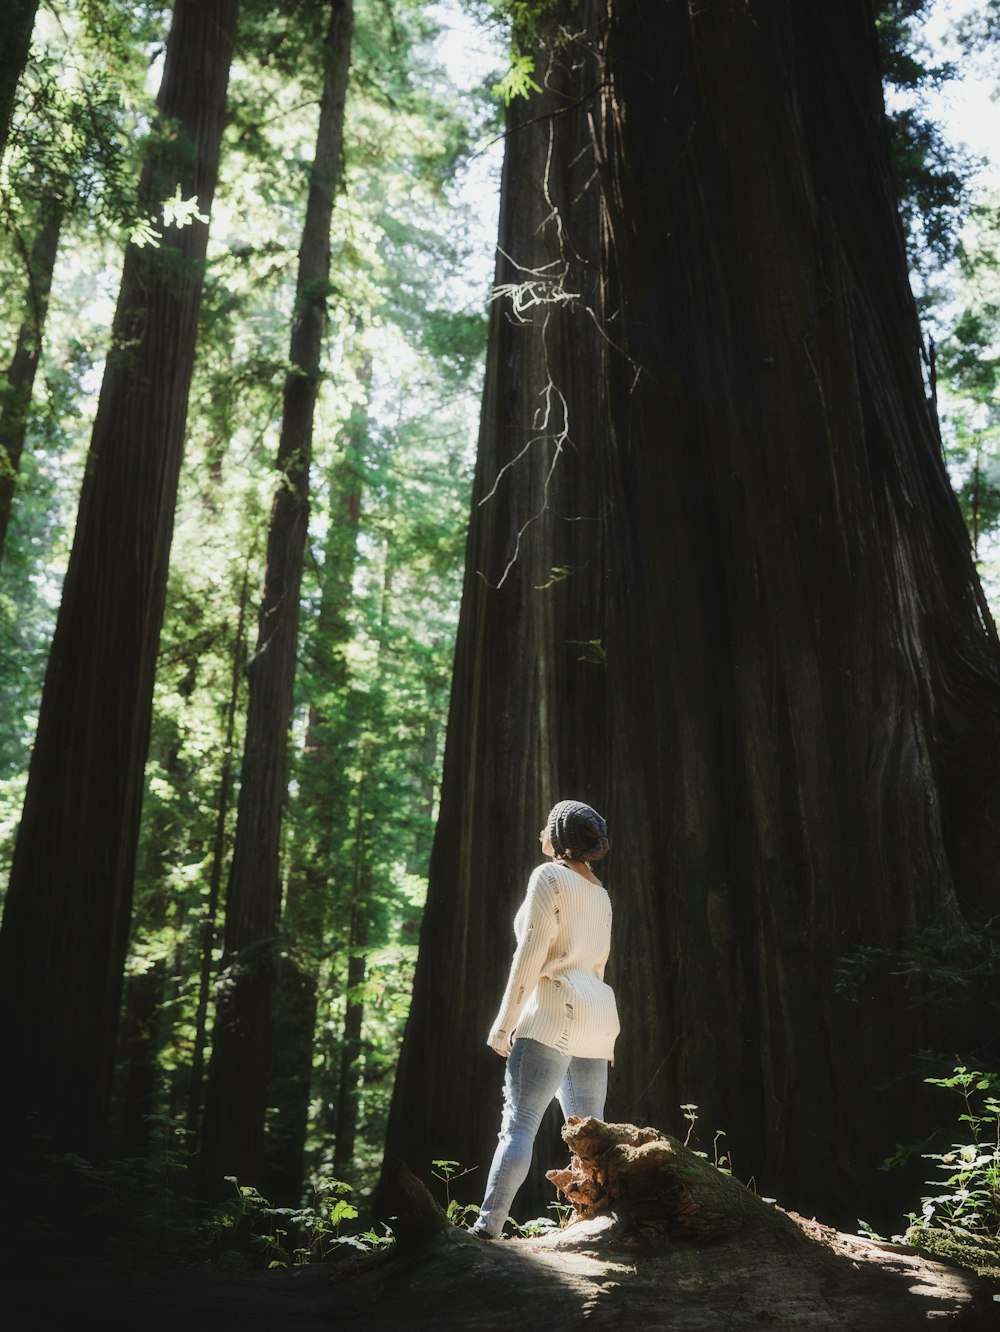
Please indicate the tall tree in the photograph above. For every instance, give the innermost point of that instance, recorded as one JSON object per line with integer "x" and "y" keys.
{"x": 66, "y": 918}
{"x": 17, "y": 19}
{"x": 70, "y": 162}
{"x": 718, "y": 585}
{"x": 323, "y": 809}
{"x": 15, "y": 399}
{"x": 233, "y": 1139}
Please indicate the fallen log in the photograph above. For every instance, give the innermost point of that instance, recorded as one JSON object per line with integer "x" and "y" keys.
{"x": 653, "y": 1182}
{"x": 659, "y": 1238}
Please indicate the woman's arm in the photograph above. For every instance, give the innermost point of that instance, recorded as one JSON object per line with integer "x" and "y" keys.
{"x": 604, "y": 960}
{"x": 537, "y": 932}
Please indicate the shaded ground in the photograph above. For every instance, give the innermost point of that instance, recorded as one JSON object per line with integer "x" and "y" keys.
{"x": 588, "y": 1276}
{"x": 666, "y": 1241}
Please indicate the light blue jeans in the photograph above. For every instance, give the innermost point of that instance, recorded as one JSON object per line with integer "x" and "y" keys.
{"x": 535, "y": 1073}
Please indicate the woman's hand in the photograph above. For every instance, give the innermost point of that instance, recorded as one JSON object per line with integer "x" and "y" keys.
{"x": 499, "y": 1040}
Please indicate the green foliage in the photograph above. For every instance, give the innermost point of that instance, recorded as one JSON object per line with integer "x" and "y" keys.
{"x": 458, "y": 1214}
{"x": 141, "y": 1213}
{"x": 522, "y": 23}
{"x": 396, "y": 412}
{"x": 960, "y": 1220}
{"x": 392, "y": 443}
{"x": 931, "y": 174}
{"x": 82, "y": 110}
{"x": 969, "y": 377}
{"x": 968, "y": 1172}
{"x": 517, "y": 82}
{"x": 295, "y": 1236}
{"x": 138, "y": 1212}
{"x": 940, "y": 965}
{"x": 544, "y": 1225}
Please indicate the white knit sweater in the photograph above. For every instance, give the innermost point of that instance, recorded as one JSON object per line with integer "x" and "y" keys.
{"x": 556, "y": 992}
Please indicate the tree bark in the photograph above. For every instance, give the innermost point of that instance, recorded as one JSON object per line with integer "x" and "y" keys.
{"x": 142, "y": 1040}
{"x": 718, "y": 586}
{"x": 354, "y": 1014}
{"x": 209, "y": 934}
{"x": 241, "y": 1044}
{"x": 65, "y": 925}
{"x": 24, "y": 363}
{"x": 17, "y": 21}
{"x": 316, "y": 885}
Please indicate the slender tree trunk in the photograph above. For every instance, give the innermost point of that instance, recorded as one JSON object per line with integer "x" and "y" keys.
{"x": 241, "y": 1047}
{"x": 16, "y": 402}
{"x": 140, "y": 1086}
{"x": 350, "y": 1053}
{"x": 745, "y": 622}
{"x": 210, "y": 927}
{"x": 354, "y": 1012}
{"x": 65, "y": 925}
{"x": 315, "y": 883}
{"x": 17, "y": 20}
{"x": 141, "y": 1042}
{"x": 324, "y": 799}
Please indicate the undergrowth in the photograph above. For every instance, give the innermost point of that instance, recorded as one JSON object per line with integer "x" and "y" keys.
{"x": 960, "y": 1218}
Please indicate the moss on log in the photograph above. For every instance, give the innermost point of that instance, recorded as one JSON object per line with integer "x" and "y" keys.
{"x": 654, "y": 1182}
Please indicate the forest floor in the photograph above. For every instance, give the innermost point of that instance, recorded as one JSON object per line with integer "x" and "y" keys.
{"x": 588, "y": 1276}
{"x": 581, "y": 1278}
{"x": 662, "y": 1239}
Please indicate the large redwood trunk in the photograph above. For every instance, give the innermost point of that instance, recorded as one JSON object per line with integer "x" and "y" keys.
{"x": 744, "y": 623}
{"x": 233, "y": 1140}
{"x": 66, "y": 919}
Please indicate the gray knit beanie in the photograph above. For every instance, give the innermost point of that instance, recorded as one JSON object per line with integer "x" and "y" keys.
{"x": 577, "y": 831}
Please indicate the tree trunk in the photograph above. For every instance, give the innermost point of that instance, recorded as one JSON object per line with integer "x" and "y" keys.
{"x": 141, "y": 1042}
{"x": 354, "y": 1014}
{"x": 21, "y": 371}
{"x": 717, "y": 585}
{"x": 17, "y": 21}
{"x": 210, "y": 927}
{"x": 289, "y": 1086}
{"x": 322, "y": 812}
{"x": 141, "y": 1088}
{"x": 66, "y": 921}
{"x": 241, "y": 1045}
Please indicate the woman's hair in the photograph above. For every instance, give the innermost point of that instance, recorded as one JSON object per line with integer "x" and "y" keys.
{"x": 577, "y": 831}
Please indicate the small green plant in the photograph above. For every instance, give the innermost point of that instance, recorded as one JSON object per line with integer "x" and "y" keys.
{"x": 457, "y": 1213}
{"x": 866, "y": 1229}
{"x": 542, "y": 1225}
{"x": 295, "y": 1236}
{"x": 690, "y": 1113}
{"x": 969, "y": 1171}
{"x": 720, "y": 1160}
{"x": 538, "y": 1225}
{"x": 518, "y": 81}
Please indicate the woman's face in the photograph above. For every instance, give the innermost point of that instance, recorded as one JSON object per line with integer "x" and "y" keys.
{"x": 543, "y": 838}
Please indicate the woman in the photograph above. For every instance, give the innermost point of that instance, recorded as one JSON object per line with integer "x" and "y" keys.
{"x": 558, "y": 1021}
